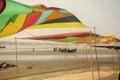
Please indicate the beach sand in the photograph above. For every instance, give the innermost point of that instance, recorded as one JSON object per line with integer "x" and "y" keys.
{"x": 72, "y": 75}
{"x": 46, "y": 70}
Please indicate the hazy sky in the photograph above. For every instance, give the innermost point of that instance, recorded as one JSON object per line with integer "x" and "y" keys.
{"x": 103, "y": 14}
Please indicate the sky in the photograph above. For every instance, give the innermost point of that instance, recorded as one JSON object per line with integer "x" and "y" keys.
{"x": 102, "y": 14}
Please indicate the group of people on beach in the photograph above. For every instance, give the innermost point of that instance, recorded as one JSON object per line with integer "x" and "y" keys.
{"x": 65, "y": 50}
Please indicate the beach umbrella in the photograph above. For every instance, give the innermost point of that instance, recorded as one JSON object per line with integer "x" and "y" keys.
{"x": 16, "y": 17}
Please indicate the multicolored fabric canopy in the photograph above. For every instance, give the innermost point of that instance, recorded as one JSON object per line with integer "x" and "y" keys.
{"x": 77, "y": 40}
{"x": 112, "y": 40}
{"x": 16, "y": 17}
{"x": 63, "y": 36}
{"x": 71, "y": 37}
{"x": 75, "y": 37}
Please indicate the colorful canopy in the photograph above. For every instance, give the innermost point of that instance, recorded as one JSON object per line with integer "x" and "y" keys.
{"x": 62, "y": 36}
{"x": 77, "y": 40}
{"x": 75, "y": 37}
{"x": 16, "y": 17}
{"x": 112, "y": 40}
{"x": 71, "y": 37}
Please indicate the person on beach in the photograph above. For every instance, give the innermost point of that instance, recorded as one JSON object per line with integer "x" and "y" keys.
{"x": 33, "y": 49}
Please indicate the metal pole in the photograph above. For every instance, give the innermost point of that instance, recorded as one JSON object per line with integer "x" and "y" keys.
{"x": 96, "y": 54}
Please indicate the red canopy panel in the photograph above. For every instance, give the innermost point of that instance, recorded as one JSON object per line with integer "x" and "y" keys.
{"x": 112, "y": 40}
{"x": 31, "y": 19}
{"x": 63, "y": 35}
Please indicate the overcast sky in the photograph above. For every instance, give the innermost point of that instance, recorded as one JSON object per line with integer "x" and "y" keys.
{"x": 103, "y": 14}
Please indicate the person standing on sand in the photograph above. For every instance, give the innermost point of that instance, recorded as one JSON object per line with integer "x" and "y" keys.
{"x": 33, "y": 49}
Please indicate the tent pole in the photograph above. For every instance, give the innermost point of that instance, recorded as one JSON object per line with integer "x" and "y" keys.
{"x": 86, "y": 53}
{"x": 77, "y": 61}
{"x": 67, "y": 62}
{"x": 66, "y": 59}
{"x": 96, "y": 54}
{"x": 118, "y": 59}
{"x": 16, "y": 58}
{"x": 116, "y": 53}
{"x": 100, "y": 62}
{"x": 114, "y": 68}
{"x": 91, "y": 57}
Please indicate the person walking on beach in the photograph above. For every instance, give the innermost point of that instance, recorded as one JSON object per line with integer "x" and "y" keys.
{"x": 33, "y": 49}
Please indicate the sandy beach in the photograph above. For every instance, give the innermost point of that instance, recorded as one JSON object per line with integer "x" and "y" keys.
{"x": 72, "y": 75}
{"x": 49, "y": 62}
